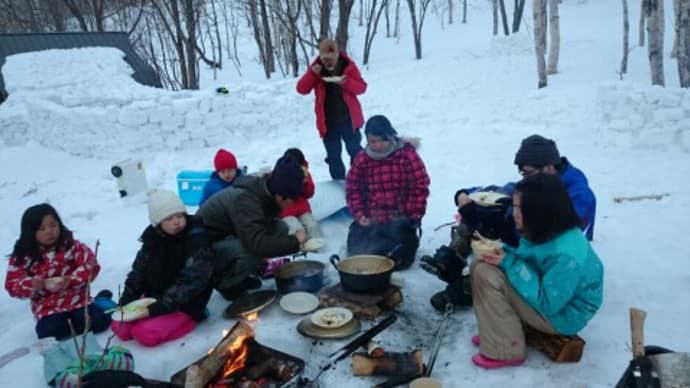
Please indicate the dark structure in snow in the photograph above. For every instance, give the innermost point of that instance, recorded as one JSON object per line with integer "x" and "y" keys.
{"x": 11, "y": 44}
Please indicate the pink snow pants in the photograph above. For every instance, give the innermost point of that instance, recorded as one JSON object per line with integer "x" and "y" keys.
{"x": 155, "y": 330}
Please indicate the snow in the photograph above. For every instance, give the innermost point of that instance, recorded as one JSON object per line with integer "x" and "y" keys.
{"x": 72, "y": 114}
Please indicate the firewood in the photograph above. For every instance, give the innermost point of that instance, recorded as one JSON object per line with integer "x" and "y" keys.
{"x": 391, "y": 364}
{"x": 374, "y": 350}
{"x": 209, "y": 367}
{"x": 559, "y": 348}
{"x": 280, "y": 369}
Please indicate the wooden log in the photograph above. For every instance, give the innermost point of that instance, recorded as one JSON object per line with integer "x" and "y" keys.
{"x": 558, "y": 348}
{"x": 637, "y": 318}
{"x": 375, "y": 350}
{"x": 391, "y": 364}
{"x": 200, "y": 374}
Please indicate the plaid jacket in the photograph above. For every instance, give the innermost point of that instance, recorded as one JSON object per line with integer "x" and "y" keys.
{"x": 77, "y": 263}
{"x": 397, "y": 186}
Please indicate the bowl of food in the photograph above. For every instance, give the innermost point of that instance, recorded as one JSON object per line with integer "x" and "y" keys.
{"x": 331, "y": 317}
{"x": 483, "y": 246}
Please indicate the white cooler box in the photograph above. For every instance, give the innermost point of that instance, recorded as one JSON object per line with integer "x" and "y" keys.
{"x": 130, "y": 177}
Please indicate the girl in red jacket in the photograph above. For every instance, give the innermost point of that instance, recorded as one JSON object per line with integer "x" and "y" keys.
{"x": 53, "y": 270}
{"x": 298, "y": 214}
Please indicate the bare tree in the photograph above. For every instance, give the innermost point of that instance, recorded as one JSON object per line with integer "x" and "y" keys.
{"x": 360, "y": 18}
{"x": 494, "y": 13}
{"x": 325, "y": 19}
{"x": 555, "y": 34}
{"x": 372, "y": 23}
{"x": 450, "y": 11}
{"x": 517, "y": 14}
{"x": 396, "y": 28}
{"x": 641, "y": 24}
{"x": 684, "y": 44}
{"x": 676, "y": 26}
{"x": 417, "y": 23}
{"x": 626, "y": 41}
{"x": 464, "y": 11}
{"x": 341, "y": 33}
{"x": 655, "y": 30}
{"x": 504, "y": 17}
{"x": 539, "y": 9}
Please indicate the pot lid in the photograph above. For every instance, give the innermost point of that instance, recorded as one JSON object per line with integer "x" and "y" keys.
{"x": 307, "y": 328}
{"x": 250, "y": 303}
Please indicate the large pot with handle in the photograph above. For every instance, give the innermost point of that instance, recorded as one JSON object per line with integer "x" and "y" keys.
{"x": 300, "y": 275}
{"x": 364, "y": 273}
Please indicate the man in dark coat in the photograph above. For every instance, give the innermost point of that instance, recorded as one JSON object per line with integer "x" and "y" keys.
{"x": 243, "y": 225}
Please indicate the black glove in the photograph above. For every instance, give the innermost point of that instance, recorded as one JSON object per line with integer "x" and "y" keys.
{"x": 445, "y": 264}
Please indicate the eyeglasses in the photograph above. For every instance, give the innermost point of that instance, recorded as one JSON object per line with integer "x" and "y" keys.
{"x": 529, "y": 171}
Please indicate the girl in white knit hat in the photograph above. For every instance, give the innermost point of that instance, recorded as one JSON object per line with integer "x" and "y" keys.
{"x": 173, "y": 268}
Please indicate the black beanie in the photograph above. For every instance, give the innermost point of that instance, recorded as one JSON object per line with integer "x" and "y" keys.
{"x": 537, "y": 150}
{"x": 286, "y": 179}
{"x": 380, "y": 126}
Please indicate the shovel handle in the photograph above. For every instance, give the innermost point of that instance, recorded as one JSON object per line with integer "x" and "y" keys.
{"x": 637, "y": 317}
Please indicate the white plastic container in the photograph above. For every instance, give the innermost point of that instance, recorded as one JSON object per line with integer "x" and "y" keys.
{"x": 130, "y": 177}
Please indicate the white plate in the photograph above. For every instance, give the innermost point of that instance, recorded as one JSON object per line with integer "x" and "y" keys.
{"x": 331, "y": 317}
{"x": 299, "y": 302}
{"x": 486, "y": 198}
{"x": 133, "y": 310}
{"x": 335, "y": 78}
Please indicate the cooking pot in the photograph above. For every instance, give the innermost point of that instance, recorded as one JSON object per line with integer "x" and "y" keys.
{"x": 364, "y": 273}
{"x": 300, "y": 275}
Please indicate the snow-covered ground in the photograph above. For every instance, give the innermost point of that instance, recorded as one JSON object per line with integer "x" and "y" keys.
{"x": 72, "y": 114}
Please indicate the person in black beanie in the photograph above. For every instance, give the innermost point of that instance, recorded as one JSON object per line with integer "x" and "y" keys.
{"x": 536, "y": 154}
{"x": 242, "y": 224}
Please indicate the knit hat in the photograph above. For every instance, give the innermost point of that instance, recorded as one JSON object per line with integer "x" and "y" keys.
{"x": 286, "y": 179}
{"x": 163, "y": 204}
{"x": 537, "y": 150}
{"x": 380, "y": 126}
{"x": 328, "y": 48}
{"x": 224, "y": 159}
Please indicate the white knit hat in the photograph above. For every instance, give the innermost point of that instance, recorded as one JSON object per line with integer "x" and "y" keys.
{"x": 163, "y": 204}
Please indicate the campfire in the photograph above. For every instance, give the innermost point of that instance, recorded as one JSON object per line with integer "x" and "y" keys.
{"x": 239, "y": 361}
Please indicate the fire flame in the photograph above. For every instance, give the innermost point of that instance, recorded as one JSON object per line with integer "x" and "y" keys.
{"x": 238, "y": 356}
{"x": 251, "y": 318}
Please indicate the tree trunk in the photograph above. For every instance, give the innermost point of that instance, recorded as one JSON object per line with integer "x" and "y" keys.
{"x": 190, "y": 44}
{"x": 494, "y": 4}
{"x": 504, "y": 17}
{"x": 626, "y": 41}
{"x": 361, "y": 13}
{"x": 643, "y": 16}
{"x": 388, "y": 19}
{"x": 372, "y": 24}
{"x": 540, "y": 39}
{"x": 517, "y": 14}
{"x": 341, "y": 34}
{"x": 450, "y": 11}
{"x": 417, "y": 24}
{"x": 325, "y": 19}
{"x": 655, "y": 30}
{"x": 396, "y": 26}
{"x": 555, "y": 33}
{"x": 179, "y": 44}
{"x": 684, "y": 44}
{"x": 676, "y": 26}
{"x": 254, "y": 16}
{"x": 464, "y": 11}
{"x": 268, "y": 43}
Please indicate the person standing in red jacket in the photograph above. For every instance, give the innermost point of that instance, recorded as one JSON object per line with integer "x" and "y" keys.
{"x": 386, "y": 190}
{"x": 336, "y": 82}
{"x": 298, "y": 214}
{"x": 53, "y": 269}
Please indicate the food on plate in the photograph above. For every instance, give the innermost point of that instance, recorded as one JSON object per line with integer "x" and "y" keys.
{"x": 331, "y": 317}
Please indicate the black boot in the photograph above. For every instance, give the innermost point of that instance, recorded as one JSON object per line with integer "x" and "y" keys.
{"x": 458, "y": 293}
{"x": 445, "y": 264}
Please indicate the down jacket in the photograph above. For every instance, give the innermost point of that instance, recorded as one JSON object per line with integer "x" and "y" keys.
{"x": 248, "y": 211}
{"x": 176, "y": 270}
{"x": 352, "y": 86}
{"x": 77, "y": 263}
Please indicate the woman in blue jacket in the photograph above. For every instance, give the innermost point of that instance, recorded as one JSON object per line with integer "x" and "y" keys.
{"x": 553, "y": 281}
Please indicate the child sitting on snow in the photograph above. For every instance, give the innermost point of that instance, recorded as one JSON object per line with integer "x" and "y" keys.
{"x": 225, "y": 164}
{"x": 173, "y": 266}
{"x": 53, "y": 269}
{"x": 298, "y": 215}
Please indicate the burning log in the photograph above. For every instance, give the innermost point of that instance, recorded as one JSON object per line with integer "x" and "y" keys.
{"x": 274, "y": 367}
{"x": 391, "y": 364}
{"x": 198, "y": 375}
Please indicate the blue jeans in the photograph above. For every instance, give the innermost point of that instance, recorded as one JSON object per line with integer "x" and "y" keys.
{"x": 336, "y": 133}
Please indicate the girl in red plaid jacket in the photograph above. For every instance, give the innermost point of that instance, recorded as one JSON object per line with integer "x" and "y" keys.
{"x": 386, "y": 190}
{"x": 53, "y": 270}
